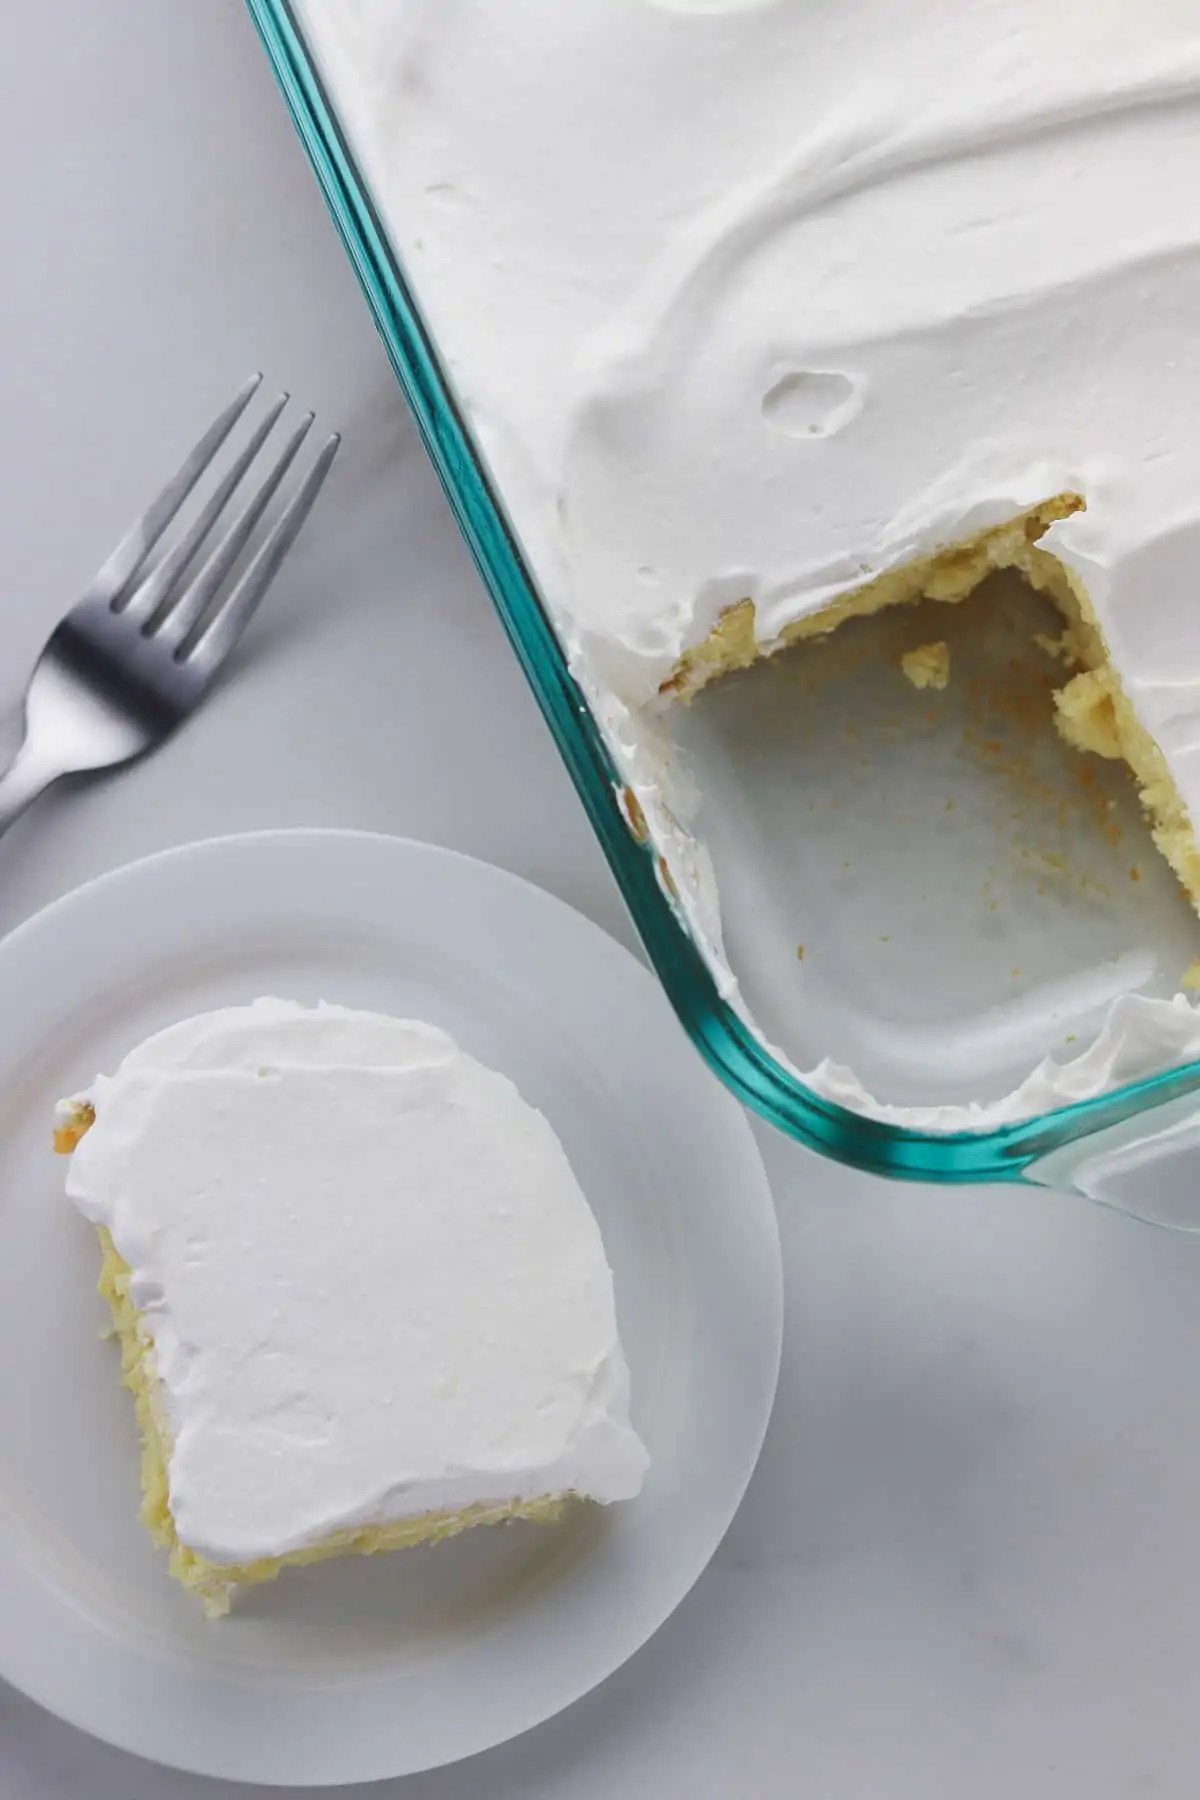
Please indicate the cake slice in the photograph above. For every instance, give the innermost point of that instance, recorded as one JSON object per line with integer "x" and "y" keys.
{"x": 361, "y": 1300}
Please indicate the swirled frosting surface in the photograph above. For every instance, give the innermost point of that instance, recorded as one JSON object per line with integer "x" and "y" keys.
{"x": 763, "y": 298}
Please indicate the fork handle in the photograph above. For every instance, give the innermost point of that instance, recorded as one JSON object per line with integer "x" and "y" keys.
{"x": 27, "y": 776}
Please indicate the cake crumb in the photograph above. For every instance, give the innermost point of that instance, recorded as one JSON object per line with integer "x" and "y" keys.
{"x": 1191, "y": 976}
{"x": 635, "y": 818}
{"x": 928, "y": 666}
{"x": 74, "y": 1128}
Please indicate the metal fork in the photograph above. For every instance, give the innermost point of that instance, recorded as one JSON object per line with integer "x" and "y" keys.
{"x": 141, "y": 649}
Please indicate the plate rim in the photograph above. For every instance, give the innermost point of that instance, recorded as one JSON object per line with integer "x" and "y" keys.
{"x": 770, "y": 1322}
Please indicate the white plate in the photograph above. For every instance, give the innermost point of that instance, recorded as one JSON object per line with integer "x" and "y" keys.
{"x": 357, "y": 1671}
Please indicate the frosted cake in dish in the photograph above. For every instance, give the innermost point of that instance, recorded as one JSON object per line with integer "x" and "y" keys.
{"x": 361, "y": 1301}
{"x": 768, "y": 315}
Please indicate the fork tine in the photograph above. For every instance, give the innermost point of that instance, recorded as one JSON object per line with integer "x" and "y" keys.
{"x": 235, "y": 613}
{"x": 114, "y": 577}
{"x": 151, "y": 595}
{"x": 184, "y": 616}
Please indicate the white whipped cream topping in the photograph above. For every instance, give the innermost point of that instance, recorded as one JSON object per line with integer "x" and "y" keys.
{"x": 1140, "y": 1037}
{"x": 372, "y": 1283}
{"x": 766, "y": 297}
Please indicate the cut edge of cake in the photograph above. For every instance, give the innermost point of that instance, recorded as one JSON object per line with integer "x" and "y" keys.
{"x": 216, "y": 1584}
{"x": 1092, "y": 711}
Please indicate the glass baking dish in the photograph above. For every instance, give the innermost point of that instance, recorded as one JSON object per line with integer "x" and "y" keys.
{"x": 835, "y": 774}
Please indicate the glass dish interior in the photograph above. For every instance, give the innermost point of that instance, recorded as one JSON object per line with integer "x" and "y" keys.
{"x": 927, "y": 886}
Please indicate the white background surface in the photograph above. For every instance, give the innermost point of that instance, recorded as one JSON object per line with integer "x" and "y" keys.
{"x": 969, "y": 1563}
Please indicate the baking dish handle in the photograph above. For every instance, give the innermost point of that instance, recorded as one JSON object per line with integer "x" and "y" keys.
{"x": 1148, "y": 1166}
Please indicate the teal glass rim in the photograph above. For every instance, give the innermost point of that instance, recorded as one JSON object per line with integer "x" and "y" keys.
{"x": 1007, "y": 1153}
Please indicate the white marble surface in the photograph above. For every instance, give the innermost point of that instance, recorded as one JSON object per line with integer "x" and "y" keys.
{"x": 967, "y": 1565}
